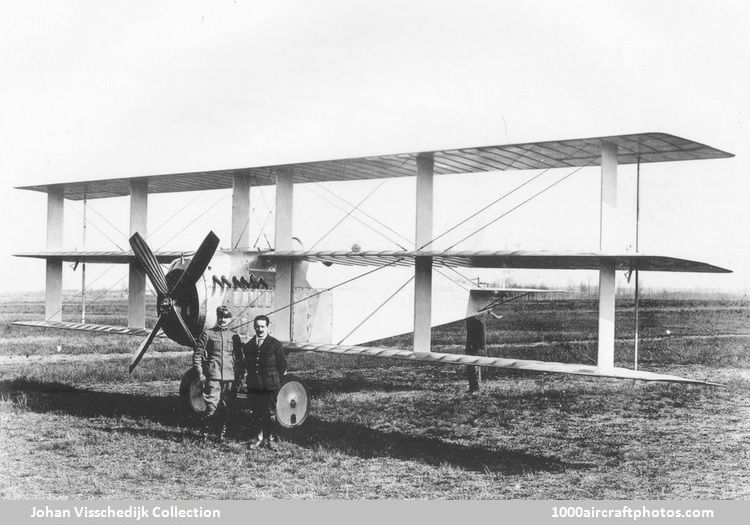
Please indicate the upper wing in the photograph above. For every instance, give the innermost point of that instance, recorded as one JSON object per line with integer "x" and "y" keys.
{"x": 495, "y": 362}
{"x": 632, "y": 148}
{"x": 504, "y": 259}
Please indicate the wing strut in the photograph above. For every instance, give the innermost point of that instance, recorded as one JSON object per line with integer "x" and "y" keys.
{"x": 283, "y": 289}
{"x": 423, "y": 265}
{"x": 607, "y": 243}
{"x": 637, "y": 226}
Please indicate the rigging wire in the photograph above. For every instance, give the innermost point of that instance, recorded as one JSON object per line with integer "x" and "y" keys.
{"x": 377, "y": 309}
{"x": 105, "y": 292}
{"x": 537, "y": 194}
{"x": 451, "y": 268}
{"x": 245, "y": 227}
{"x": 321, "y": 186}
{"x": 322, "y": 197}
{"x": 200, "y": 195}
{"x": 451, "y": 279}
{"x": 88, "y": 287}
{"x": 97, "y": 228}
{"x": 361, "y": 202}
{"x": 485, "y": 208}
{"x": 319, "y": 292}
{"x": 263, "y": 230}
{"x": 250, "y": 305}
{"x": 193, "y": 221}
{"x": 91, "y": 207}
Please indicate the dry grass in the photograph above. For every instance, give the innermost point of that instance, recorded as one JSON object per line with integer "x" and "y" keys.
{"x": 77, "y": 426}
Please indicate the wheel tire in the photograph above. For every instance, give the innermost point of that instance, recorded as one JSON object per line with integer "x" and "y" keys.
{"x": 191, "y": 393}
{"x": 292, "y": 403}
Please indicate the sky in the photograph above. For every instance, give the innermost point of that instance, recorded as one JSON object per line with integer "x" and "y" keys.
{"x": 95, "y": 90}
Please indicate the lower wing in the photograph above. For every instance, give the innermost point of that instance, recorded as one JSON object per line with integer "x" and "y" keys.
{"x": 494, "y": 362}
{"x": 407, "y": 355}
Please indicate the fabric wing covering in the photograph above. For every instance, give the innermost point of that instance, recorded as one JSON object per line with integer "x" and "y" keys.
{"x": 505, "y": 259}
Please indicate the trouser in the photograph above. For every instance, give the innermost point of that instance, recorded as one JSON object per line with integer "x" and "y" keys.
{"x": 220, "y": 397}
{"x": 263, "y": 408}
{"x": 475, "y": 345}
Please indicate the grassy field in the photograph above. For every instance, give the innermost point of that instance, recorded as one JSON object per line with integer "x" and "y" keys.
{"x": 76, "y": 425}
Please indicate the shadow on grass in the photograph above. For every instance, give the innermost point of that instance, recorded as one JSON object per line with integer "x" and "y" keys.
{"x": 58, "y": 397}
{"x": 347, "y": 437}
{"x": 356, "y": 439}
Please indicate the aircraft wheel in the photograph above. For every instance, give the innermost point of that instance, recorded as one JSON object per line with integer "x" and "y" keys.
{"x": 292, "y": 403}
{"x": 191, "y": 393}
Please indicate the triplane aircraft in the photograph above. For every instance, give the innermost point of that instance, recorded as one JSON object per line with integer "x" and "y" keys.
{"x": 310, "y": 318}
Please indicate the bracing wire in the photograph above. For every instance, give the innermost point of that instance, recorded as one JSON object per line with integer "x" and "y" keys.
{"x": 98, "y": 229}
{"x": 319, "y": 292}
{"x": 88, "y": 287}
{"x": 90, "y": 207}
{"x": 451, "y": 268}
{"x": 357, "y": 218}
{"x": 244, "y": 227}
{"x": 377, "y": 309}
{"x": 175, "y": 214}
{"x": 363, "y": 212}
{"x": 263, "y": 229}
{"x": 250, "y": 305}
{"x": 532, "y": 179}
{"x": 451, "y": 279}
{"x": 105, "y": 292}
{"x": 514, "y": 208}
{"x": 361, "y": 202}
{"x": 195, "y": 219}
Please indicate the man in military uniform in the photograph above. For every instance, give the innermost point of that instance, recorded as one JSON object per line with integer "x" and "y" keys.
{"x": 214, "y": 358}
{"x": 265, "y": 363}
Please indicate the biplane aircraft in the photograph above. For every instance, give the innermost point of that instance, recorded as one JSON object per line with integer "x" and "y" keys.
{"x": 311, "y": 318}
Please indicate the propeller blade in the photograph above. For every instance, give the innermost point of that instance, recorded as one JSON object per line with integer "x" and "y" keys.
{"x": 145, "y": 344}
{"x": 182, "y": 324}
{"x": 198, "y": 263}
{"x": 148, "y": 262}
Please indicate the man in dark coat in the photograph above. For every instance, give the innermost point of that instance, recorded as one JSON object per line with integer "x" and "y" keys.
{"x": 264, "y": 361}
{"x": 214, "y": 358}
{"x": 475, "y": 345}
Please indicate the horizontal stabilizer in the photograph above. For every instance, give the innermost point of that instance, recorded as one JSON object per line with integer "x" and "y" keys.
{"x": 87, "y": 327}
{"x": 106, "y": 257}
{"x": 504, "y": 259}
{"x": 495, "y": 362}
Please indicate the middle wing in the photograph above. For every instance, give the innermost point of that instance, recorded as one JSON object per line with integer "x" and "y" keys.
{"x": 504, "y": 259}
{"x": 495, "y": 362}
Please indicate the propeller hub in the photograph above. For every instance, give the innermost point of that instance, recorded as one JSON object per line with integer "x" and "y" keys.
{"x": 166, "y": 304}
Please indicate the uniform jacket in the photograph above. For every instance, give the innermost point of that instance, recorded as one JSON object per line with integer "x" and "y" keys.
{"x": 264, "y": 365}
{"x": 216, "y": 352}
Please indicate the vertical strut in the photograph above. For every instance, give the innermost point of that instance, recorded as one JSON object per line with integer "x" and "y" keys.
{"x": 283, "y": 288}
{"x": 607, "y": 243}
{"x": 83, "y": 266}
{"x": 423, "y": 265}
{"x": 240, "y": 212}
{"x": 53, "y": 283}
{"x": 637, "y": 227}
{"x": 136, "y": 276}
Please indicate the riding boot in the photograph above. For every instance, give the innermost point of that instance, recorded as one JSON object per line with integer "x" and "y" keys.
{"x": 206, "y": 424}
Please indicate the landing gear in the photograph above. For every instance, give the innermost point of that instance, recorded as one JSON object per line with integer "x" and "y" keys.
{"x": 292, "y": 403}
